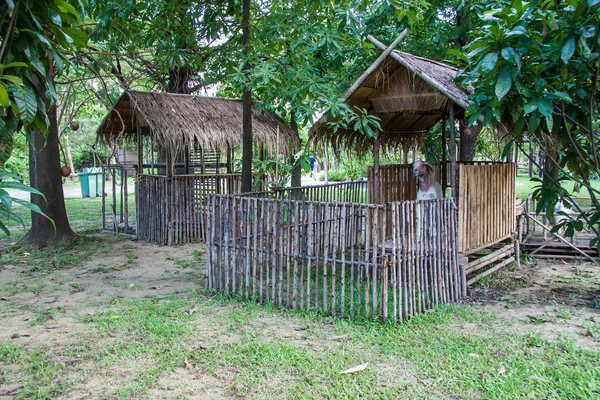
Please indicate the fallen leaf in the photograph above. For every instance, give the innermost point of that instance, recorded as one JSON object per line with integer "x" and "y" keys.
{"x": 121, "y": 267}
{"x": 301, "y": 328}
{"x": 25, "y": 254}
{"x": 484, "y": 376}
{"x": 203, "y": 347}
{"x": 501, "y": 370}
{"x": 154, "y": 288}
{"x": 498, "y": 354}
{"x": 588, "y": 333}
{"x": 474, "y": 355}
{"x": 188, "y": 365}
{"x": 356, "y": 369}
{"x": 232, "y": 384}
{"x": 342, "y": 337}
{"x": 193, "y": 310}
{"x": 130, "y": 285}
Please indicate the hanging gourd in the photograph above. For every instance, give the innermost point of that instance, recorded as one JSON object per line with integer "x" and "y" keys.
{"x": 65, "y": 171}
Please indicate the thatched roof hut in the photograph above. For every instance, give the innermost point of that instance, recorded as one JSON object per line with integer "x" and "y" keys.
{"x": 410, "y": 94}
{"x": 179, "y": 121}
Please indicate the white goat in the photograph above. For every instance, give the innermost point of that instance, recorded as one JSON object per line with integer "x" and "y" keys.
{"x": 429, "y": 189}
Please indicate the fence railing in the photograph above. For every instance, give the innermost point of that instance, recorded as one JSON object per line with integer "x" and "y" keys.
{"x": 335, "y": 257}
{"x": 348, "y": 192}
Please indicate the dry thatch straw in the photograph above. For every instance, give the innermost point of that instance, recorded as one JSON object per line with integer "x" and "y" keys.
{"x": 409, "y": 93}
{"x": 178, "y": 121}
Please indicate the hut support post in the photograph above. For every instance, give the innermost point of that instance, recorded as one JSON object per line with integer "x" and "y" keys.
{"x": 169, "y": 205}
{"x": 376, "y": 146}
{"x": 452, "y": 146}
{"x": 139, "y": 171}
{"x": 444, "y": 160}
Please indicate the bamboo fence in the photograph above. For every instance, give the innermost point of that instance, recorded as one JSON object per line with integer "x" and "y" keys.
{"x": 347, "y": 192}
{"x": 335, "y": 257}
{"x": 174, "y": 210}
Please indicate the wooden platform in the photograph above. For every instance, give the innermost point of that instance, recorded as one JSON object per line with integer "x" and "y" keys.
{"x": 549, "y": 246}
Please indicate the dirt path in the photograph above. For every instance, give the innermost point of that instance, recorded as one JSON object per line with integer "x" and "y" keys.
{"x": 48, "y": 302}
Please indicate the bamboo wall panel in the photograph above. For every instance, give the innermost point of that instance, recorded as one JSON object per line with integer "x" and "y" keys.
{"x": 486, "y": 210}
{"x": 334, "y": 257}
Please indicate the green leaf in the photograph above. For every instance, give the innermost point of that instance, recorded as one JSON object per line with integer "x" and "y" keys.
{"x": 530, "y": 107}
{"x": 34, "y": 208}
{"x": 4, "y": 229}
{"x": 568, "y": 50}
{"x": 504, "y": 82}
{"x": 13, "y": 79}
{"x": 66, "y": 8}
{"x": 12, "y": 65}
{"x": 26, "y": 101}
{"x": 545, "y": 108}
{"x": 5, "y": 199}
{"x": 20, "y": 186}
{"x": 3, "y": 95}
{"x": 79, "y": 37}
{"x": 489, "y": 62}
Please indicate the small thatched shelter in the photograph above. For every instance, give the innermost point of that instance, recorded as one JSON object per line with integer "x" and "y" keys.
{"x": 174, "y": 144}
{"x": 178, "y": 121}
{"x": 410, "y": 94}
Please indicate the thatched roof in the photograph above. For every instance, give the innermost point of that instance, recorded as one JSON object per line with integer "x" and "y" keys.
{"x": 410, "y": 94}
{"x": 177, "y": 121}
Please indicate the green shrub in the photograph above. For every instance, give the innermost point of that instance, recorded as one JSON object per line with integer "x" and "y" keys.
{"x": 335, "y": 175}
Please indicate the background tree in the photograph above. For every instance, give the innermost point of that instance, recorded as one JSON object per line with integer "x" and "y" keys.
{"x": 36, "y": 35}
{"x": 535, "y": 68}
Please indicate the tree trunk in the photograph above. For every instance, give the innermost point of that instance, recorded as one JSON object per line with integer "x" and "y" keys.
{"x": 297, "y": 171}
{"x": 467, "y": 142}
{"x": 68, "y": 156}
{"x": 44, "y": 175}
{"x": 549, "y": 167}
{"x": 246, "y": 105}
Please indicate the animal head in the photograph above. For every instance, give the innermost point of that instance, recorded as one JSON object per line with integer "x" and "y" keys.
{"x": 422, "y": 168}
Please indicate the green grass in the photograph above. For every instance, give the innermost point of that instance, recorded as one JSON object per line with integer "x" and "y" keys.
{"x": 525, "y": 187}
{"x": 147, "y": 339}
{"x": 85, "y": 214}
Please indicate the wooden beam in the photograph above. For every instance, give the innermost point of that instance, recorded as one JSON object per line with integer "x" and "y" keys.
{"x": 562, "y": 240}
{"x": 444, "y": 160}
{"x": 386, "y": 51}
{"x": 407, "y": 96}
{"x": 452, "y": 146}
{"x": 376, "y": 146}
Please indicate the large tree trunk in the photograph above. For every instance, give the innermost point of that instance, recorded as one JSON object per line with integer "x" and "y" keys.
{"x": 467, "y": 142}
{"x": 246, "y": 106}
{"x": 44, "y": 175}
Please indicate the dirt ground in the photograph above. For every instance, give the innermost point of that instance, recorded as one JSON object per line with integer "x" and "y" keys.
{"x": 554, "y": 298}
